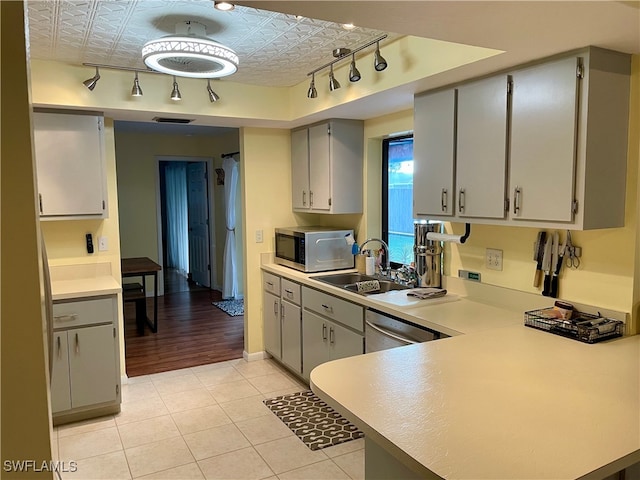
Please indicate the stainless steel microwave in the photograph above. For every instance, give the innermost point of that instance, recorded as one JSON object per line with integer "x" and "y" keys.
{"x": 313, "y": 249}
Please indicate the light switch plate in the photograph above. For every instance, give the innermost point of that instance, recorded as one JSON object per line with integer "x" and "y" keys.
{"x": 103, "y": 244}
{"x": 259, "y": 237}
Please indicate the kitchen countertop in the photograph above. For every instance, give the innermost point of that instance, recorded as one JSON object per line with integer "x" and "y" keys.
{"x": 497, "y": 400}
{"x": 84, "y": 287}
{"x": 507, "y": 403}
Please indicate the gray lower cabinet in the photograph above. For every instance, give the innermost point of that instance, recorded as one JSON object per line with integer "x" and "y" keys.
{"x": 85, "y": 359}
{"x": 332, "y": 328}
{"x": 281, "y": 316}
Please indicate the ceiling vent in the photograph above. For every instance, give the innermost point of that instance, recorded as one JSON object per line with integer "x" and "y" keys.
{"x": 171, "y": 120}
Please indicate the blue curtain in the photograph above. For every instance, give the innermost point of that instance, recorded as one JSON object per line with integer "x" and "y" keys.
{"x": 177, "y": 217}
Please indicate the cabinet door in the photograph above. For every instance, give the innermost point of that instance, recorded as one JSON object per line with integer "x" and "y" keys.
{"x": 434, "y": 154}
{"x": 343, "y": 342}
{"x": 291, "y": 335}
{"x": 319, "y": 167}
{"x": 481, "y": 157}
{"x": 543, "y": 141}
{"x": 315, "y": 341}
{"x": 68, "y": 151}
{"x": 300, "y": 169}
{"x": 92, "y": 365}
{"x": 271, "y": 321}
{"x": 60, "y": 383}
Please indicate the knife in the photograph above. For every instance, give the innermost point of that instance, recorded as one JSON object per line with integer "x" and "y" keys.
{"x": 546, "y": 262}
{"x": 556, "y": 272}
{"x": 552, "y": 266}
{"x": 538, "y": 253}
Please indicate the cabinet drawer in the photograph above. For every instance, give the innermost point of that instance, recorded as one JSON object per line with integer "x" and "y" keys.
{"x": 76, "y": 313}
{"x": 271, "y": 283}
{"x": 347, "y": 313}
{"x": 290, "y": 291}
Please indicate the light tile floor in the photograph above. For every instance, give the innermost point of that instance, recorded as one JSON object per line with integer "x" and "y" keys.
{"x": 206, "y": 422}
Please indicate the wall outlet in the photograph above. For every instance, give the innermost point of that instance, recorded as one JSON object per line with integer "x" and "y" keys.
{"x": 493, "y": 259}
{"x": 259, "y": 238}
{"x": 103, "y": 244}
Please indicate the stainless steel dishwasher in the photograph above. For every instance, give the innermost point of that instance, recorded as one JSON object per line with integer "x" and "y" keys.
{"x": 383, "y": 331}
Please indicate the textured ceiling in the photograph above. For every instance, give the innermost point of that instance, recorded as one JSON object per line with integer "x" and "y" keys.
{"x": 275, "y": 49}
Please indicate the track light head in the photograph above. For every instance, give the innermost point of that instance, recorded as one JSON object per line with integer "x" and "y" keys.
{"x": 90, "y": 83}
{"x": 312, "y": 92}
{"x": 213, "y": 96}
{"x": 175, "y": 93}
{"x": 333, "y": 83}
{"x": 354, "y": 73}
{"x": 136, "y": 91}
{"x": 379, "y": 62}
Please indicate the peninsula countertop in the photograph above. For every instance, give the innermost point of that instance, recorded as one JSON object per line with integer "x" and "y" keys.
{"x": 506, "y": 403}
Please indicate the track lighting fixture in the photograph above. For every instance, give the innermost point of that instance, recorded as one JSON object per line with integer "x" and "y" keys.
{"x": 175, "y": 93}
{"x": 379, "y": 62}
{"x": 333, "y": 83}
{"x": 90, "y": 83}
{"x": 312, "y": 92}
{"x": 136, "y": 91}
{"x": 213, "y": 97}
{"x": 354, "y": 74}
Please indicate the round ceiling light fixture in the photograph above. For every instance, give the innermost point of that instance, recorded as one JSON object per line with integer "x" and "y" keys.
{"x": 189, "y": 53}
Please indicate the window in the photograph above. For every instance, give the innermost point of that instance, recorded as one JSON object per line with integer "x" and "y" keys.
{"x": 397, "y": 198}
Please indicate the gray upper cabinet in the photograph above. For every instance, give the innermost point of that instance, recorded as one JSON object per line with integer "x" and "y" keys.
{"x": 481, "y": 158}
{"x": 69, "y": 152}
{"x": 552, "y": 153}
{"x": 543, "y": 141}
{"x": 327, "y": 167}
{"x": 434, "y": 154}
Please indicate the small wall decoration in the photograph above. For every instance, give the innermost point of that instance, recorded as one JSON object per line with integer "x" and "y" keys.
{"x": 220, "y": 178}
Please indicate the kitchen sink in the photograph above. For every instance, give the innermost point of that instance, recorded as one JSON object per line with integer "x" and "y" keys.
{"x": 348, "y": 282}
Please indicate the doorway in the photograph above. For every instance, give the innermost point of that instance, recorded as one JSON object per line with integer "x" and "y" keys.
{"x": 185, "y": 233}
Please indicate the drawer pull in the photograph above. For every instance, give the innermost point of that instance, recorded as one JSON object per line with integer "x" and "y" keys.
{"x": 66, "y": 318}
{"x": 329, "y": 308}
{"x": 270, "y": 284}
{"x": 289, "y": 292}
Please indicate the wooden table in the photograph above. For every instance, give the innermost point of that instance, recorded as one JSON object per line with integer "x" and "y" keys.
{"x": 143, "y": 267}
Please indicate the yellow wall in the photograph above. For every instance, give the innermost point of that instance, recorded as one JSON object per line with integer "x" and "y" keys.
{"x": 265, "y": 176}
{"x": 25, "y": 413}
{"x": 137, "y": 187}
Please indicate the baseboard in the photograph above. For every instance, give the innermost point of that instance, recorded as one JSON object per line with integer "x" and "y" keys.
{"x": 252, "y": 357}
{"x": 124, "y": 380}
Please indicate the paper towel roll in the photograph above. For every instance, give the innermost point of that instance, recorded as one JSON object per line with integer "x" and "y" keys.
{"x": 444, "y": 237}
{"x": 361, "y": 263}
{"x": 370, "y": 266}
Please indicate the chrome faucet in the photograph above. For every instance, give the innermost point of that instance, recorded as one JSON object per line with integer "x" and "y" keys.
{"x": 387, "y": 269}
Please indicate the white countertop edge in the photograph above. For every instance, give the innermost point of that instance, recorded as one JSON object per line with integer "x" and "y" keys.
{"x": 84, "y": 287}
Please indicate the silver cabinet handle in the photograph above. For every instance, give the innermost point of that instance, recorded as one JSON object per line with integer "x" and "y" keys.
{"x": 332, "y": 336}
{"x": 516, "y": 200}
{"x": 66, "y": 318}
{"x": 304, "y": 198}
{"x": 443, "y": 199}
{"x": 40, "y": 201}
{"x": 282, "y": 310}
{"x": 310, "y": 198}
{"x": 270, "y": 284}
{"x": 324, "y": 331}
{"x": 328, "y": 308}
{"x": 77, "y": 344}
{"x": 59, "y": 347}
{"x": 275, "y": 307}
{"x": 289, "y": 292}
{"x": 461, "y": 200}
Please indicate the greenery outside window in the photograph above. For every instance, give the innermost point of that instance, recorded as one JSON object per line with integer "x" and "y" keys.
{"x": 397, "y": 198}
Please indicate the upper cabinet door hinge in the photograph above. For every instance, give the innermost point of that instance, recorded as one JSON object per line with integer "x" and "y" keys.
{"x": 509, "y": 86}
{"x": 574, "y": 207}
{"x": 104, "y": 205}
{"x": 99, "y": 124}
{"x": 580, "y": 69}
{"x": 329, "y": 201}
{"x": 329, "y": 129}
{"x": 506, "y": 204}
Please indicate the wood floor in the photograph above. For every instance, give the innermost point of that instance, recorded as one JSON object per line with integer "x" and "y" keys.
{"x": 191, "y": 332}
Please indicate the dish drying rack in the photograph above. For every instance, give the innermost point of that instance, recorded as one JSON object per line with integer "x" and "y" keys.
{"x": 583, "y": 327}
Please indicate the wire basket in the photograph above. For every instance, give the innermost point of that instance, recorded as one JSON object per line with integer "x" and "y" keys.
{"x": 584, "y": 327}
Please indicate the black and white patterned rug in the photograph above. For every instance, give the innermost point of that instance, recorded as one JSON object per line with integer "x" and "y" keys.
{"x": 315, "y": 423}
{"x": 231, "y": 307}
